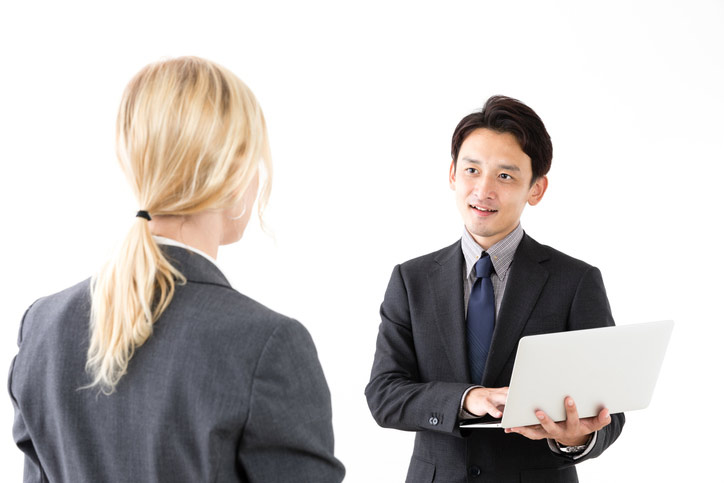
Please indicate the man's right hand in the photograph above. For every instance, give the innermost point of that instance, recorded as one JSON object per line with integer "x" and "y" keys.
{"x": 486, "y": 400}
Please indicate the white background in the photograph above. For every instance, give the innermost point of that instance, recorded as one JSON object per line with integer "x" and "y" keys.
{"x": 361, "y": 100}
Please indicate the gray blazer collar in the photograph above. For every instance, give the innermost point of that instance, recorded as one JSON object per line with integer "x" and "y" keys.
{"x": 194, "y": 267}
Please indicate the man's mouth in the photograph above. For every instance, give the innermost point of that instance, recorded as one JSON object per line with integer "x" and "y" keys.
{"x": 482, "y": 209}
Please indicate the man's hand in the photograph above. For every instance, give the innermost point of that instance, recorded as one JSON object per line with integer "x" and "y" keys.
{"x": 571, "y": 432}
{"x": 486, "y": 400}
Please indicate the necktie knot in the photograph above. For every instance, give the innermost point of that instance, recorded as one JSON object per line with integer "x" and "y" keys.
{"x": 484, "y": 266}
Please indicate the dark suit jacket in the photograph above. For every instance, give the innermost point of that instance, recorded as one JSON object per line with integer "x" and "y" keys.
{"x": 420, "y": 370}
{"x": 224, "y": 390}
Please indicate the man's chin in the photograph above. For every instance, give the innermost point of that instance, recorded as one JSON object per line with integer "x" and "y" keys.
{"x": 486, "y": 236}
{"x": 481, "y": 231}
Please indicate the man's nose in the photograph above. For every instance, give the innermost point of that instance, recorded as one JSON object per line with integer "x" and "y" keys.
{"x": 484, "y": 188}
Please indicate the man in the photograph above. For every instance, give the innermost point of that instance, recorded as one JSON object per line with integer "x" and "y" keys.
{"x": 452, "y": 319}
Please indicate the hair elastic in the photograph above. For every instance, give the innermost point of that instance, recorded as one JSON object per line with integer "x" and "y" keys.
{"x": 144, "y": 214}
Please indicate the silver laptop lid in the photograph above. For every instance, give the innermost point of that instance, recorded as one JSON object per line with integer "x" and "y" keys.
{"x": 613, "y": 367}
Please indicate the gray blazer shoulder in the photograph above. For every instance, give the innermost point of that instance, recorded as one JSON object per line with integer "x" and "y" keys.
{"x": 225, "y": 389}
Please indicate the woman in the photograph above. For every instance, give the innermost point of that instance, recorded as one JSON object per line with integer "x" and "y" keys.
{"x": 156, "y": 369}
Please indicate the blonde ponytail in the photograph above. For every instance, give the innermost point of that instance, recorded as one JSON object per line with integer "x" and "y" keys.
{"x": 128, "y": 296}
{"x": 190, "y": 137}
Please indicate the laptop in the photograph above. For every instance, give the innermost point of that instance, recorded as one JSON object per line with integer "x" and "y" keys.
{"x": 613, "y": 367}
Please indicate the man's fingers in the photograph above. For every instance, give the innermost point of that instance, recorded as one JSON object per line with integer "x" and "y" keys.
{"x": 498, "y": 398}
{"x": 596, "y": 423}
{"x": 572, "y": 421}
{"x": 603, "y": 419}
{"x": 570, "y": 430}
{"x": 485, "y": 400}
{"x": 493, "y": 410}
{"x": 548, "y": 424}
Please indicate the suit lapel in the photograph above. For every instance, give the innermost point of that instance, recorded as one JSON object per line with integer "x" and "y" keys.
{"x": 446, "y": 290}
{"x": 527, "y": 278}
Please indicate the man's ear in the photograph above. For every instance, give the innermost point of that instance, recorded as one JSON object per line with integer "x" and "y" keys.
{"x": 537, "y": 190}
{"x": 451, "y": 176}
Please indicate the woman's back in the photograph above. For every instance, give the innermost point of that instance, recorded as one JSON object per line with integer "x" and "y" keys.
{"x": 224, "y": 390}
{"x": 156, "y": 369}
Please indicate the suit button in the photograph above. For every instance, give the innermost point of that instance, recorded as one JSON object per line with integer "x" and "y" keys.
{"x": 474, "y": 471}
{"x": 433, "y": 420}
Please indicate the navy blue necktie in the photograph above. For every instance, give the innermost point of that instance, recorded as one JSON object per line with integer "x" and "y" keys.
{"x": 481, "y": 318}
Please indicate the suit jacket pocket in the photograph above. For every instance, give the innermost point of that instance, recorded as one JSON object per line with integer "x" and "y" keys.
{"x": 420, "y": 471}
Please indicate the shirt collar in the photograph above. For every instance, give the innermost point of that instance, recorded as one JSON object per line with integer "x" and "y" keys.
{"x": 501, "y": 254}
{"x": 162, "y": 240}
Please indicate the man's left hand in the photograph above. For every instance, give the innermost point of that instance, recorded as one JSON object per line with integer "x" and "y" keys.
{"x": 571, "y": 432}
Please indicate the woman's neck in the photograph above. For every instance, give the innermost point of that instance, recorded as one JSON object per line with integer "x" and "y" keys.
{"x": 203, "y": 231}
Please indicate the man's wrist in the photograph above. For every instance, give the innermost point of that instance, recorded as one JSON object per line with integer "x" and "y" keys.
{"x": 573, "y": 449}
{"x": 582, "y": 441}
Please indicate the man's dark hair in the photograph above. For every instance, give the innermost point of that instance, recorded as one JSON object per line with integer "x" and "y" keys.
{"x": 505, "y": 114}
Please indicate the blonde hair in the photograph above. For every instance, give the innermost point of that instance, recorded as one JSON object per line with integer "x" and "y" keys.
{"x": 190, "y": 137}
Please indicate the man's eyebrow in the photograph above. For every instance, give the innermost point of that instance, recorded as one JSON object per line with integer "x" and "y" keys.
{"x": 502, "y": 165}
{"x": 508, "y": 167}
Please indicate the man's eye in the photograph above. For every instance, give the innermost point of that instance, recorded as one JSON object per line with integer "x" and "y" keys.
{"x": 471, "y": 170}
{"x": 505, "y": 176}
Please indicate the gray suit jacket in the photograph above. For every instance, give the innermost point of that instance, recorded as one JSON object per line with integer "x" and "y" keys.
{"x": 224, "y": 390}
{"x": 420, "y": 370}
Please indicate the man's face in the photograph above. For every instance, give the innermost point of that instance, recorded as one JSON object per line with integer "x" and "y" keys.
{"x": 492, "y": 184}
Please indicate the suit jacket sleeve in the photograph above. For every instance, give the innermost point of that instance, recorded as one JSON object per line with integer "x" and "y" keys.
{"x": 33, "y": 471}
{"x": 288, "y": 434}
{"x": 396, "y": 394}
{"x": 590, "y": 309}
